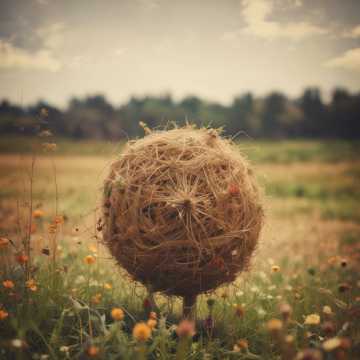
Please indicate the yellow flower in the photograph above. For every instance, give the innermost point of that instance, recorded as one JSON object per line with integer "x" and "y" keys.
{"x": 152, "y": 323}
{"x": 312, "y": 319}
{"x": 275, "y": 268}
{"x": 8, "y": 284}
{"x": 107, "y": 286}
{"x": 3, "y": 314}
{"x": 117, "y": 314}
{"x": 89, "y": 259}
{"x": 274, "y": 325}
{"x": 4, "y": 242}
{"x": 93, "y": 351}
{"x": 38, "y": 213}
{"x": 141, "y": 331}
{"x": 332, "y": 344}
{"x": 327, "y": 310}
{"x": 31, "y": 285}
{"x": 49, "y": 146}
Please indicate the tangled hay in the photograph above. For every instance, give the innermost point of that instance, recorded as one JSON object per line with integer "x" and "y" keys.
{"x": 182, "y": 211}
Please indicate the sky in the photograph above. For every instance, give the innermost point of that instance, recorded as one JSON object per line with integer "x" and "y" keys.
{"x": 57, "y": 49}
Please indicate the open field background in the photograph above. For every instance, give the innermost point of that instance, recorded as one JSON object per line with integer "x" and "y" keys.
{"x": 308, "y": 257}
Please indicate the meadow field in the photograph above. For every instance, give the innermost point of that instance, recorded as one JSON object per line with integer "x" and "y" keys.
{"x": 69, "y": 300}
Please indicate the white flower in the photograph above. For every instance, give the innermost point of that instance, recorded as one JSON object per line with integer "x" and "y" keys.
{"x": 80, "y": 279}
{"x": 261, "y": 312}
{"x": 239, "y": 293}
{"x": 16, "y": 343}
{"x": 254, "y": 289}
{"x": 331, "y": 344}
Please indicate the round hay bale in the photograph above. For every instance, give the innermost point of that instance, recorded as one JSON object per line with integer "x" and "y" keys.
{"x": 182, "y": 211}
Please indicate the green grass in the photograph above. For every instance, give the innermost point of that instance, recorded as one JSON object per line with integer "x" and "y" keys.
{"x": 312, "y": 233}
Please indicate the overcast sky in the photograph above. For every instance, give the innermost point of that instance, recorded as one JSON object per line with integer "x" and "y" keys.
{"x": 55, "y": 49}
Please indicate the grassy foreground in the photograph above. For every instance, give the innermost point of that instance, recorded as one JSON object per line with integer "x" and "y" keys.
{"x": 63, "y": 297}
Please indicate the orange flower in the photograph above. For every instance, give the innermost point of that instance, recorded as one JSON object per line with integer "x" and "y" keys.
{"x": 4, "y": 242}
{"x": 117, "y": 314}
{"x": 8, "y": 284}
{"x": 107, "y": 286}
{"x": 31, "y": 285}
{"x": 58, "y": 219}
{"x": 22, "y": 259}
{"x": 96, "y": 299}
{"x": 3, "y": 314}
{"x": 152, "y": 323}
{"x": 152, "y": 315}
{"x": 274, "y": 325}
{"x": 141, "y": 331}
{"x": 38, "y": 213}
{"x": 89, "y": 259}
{"x": 93, "y": 351}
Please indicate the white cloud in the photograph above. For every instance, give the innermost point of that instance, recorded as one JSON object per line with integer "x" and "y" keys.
{"x": 350, "y": 60}
{"x": 256, "y": 14}
{"x": 52, "y": 36}
{"x": 354, "y": 33}
{"x": 14, "y": 57}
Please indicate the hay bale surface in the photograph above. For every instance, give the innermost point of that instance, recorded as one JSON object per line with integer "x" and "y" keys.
{"x": 182, "y": 211}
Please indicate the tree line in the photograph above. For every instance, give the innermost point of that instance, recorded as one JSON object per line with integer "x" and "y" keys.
{"x": 272, "y": 116}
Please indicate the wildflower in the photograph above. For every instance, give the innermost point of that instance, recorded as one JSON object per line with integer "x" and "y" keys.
{"x": 141, "y": 331}
{"x": 285, "y": 310}
{"x": 59, "y": 219}
{"x": 49, "y": 147}
{"x": 312, "y": 319}
{"x": 93, "y": 351}
{"x": 242, "y": 344}
{"x": 93, "y": 248}
{"x": 3, "y": 314}
{"x": 17, "y": 343}
{"x": 89, "y": 259}
{"x": 289, "y": 339}
{"x": 96, "y": 299}
{"x": 4, "y": 242}
{"x": 8, "y": 284}
{"x": 117, "y": 314}
{"x": 153, "y": 315}
{"x": 31, "y": 285}
{"x": 152, "y": 323}
{"x": 344, "y": 287}
{"x": 186, "y": 328}
{"x": 239, "y": 310}
{"x": 64, "y": 349}
{"x": 328, "y": 328}
{"x": 327, "y": 310}
{"x": 38, "y": 213}
{"x": 309, "y": 354}
{"x": 45, "y": 133}
{"x": 274, "y": 325}
{"x": 332, "y": 344}
{"x": 107, "y": 286}
{"x": 275, "y": 268}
